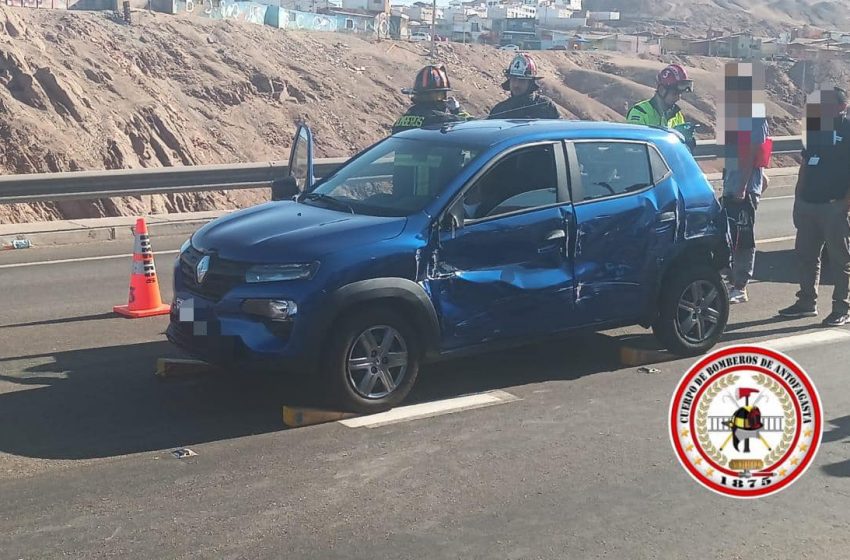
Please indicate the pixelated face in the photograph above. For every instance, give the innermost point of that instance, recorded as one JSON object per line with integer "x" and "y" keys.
{"x": 743, "y": 99}
{"x": 519, "y": 86}
{"x": 822, "y": 109}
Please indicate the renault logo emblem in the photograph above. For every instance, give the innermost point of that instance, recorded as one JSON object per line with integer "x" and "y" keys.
{"x": 202, "y": 269}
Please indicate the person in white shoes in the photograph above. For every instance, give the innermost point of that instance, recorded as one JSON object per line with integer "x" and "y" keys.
{"x": 747, "y": 143}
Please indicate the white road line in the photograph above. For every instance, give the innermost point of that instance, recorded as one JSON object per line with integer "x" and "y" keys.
{"x": 808, "y": 339}
{"x": 776, "y": 239}
{"x": 83, "y": 259}
{"x": 427, "y": 410}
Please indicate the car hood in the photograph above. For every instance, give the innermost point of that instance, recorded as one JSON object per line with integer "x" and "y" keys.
{"x": 287, "y": 231}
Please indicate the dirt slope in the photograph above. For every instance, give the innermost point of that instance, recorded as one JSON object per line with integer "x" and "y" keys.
{"x": 760, "y": 16}
{"x": 78, "y": 91}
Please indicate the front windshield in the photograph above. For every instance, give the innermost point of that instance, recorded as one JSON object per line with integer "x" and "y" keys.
{"x": 398, "y": 177}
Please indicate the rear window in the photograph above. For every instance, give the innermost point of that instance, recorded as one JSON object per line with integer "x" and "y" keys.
{"x": 612, "y": 168}
{"x": 660, "y": 171}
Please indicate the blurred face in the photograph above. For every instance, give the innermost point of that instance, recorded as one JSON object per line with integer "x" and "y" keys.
{"x": 744, "y": 100}
{"x": 519, "y": 86}
{"x": 430, "y": 96}
{"x": 830, "y": 107}
{"x": 670, "y": 96}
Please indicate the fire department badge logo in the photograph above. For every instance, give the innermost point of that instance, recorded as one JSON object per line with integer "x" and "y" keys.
{"x": 746, "y": 421}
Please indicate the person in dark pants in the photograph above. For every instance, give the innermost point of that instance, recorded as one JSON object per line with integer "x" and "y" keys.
{"x": 431, "y": 104}
{"x": 743, "y": 123}
{"x": 822, "y": 207}
{"x": 525, "y": 102}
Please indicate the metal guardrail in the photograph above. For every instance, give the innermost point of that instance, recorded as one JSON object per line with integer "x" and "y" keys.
{"x": 87, "y": 185}
{"x": 708, "y": 149}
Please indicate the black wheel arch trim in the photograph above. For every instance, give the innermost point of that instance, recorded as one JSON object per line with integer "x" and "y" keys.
{"x": 425, "y": 319}
{"x": 708, "y": 250}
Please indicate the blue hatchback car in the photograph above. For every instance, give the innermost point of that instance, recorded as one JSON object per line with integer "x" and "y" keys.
{"x": 449, "y": 240}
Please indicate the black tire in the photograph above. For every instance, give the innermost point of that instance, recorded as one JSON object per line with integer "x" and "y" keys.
{"x": 672, "y": 320}
{"x": 345, "y": 339}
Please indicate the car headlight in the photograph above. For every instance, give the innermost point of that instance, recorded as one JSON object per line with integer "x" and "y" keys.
{"x": 280, "y": 272}
{"x": 274, "y": 309}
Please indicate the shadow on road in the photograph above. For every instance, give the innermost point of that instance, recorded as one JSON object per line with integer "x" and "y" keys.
{"x": 781, "y": 267}
{"x": 736, "y": 333}
{"x": 61, "y": 321}
{"x": 559, "y": 359}
{"x": 104, "y": 402}
{"x": 839, "y": 433}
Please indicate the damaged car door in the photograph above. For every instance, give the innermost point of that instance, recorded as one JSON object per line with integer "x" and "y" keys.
{"x": 627, "y": 215}
{"x": 503, "y": 265}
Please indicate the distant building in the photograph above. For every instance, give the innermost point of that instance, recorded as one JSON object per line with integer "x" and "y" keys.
{"x": 673, "y": 44}
{"x": 422, "y": 12}
{"x": 500, "y": 10}
{"x": 521, "y": 32}
{"x": 370, "y": 6}
{"x": 603, "y": 16}
{"x": 353, "y": 22}
{"x": 745, "y": 46}
{"x": 556, "y": 17}
{"x": 466, "y": 28}
{"x": 399, "y": 26}
{"x": 311, "y": 5}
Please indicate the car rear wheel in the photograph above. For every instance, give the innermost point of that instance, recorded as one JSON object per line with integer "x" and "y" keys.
{"x": 694, "y": 309}
{"x": 373, "y": 360}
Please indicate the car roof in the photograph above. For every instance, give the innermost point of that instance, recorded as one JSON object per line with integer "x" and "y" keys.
{"x": 496, "y": 131}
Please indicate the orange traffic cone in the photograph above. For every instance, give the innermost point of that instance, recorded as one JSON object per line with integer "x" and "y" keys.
{"x": 144, "y": 300}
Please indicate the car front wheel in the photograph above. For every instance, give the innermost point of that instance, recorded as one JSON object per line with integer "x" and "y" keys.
{"x": 694, "y": 311}
{"x": 373, "y": 360}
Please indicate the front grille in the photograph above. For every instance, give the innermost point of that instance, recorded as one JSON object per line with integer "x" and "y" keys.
{"x": 222, "y": 276}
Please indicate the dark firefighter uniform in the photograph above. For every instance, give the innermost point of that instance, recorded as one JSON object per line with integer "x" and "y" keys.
{"x": 430, "y": 103}
{"x": 424, "y": 114}
{"x": 530, "y": 105}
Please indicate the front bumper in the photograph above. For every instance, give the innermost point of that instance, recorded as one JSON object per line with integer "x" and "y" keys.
{"x": 218, "y": 333}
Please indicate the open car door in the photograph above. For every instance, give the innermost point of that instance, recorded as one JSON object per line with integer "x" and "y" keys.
{"x": 300, "y": 178}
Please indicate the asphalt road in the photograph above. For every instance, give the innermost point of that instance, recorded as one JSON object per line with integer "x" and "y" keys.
{"x": 580, "y": 466}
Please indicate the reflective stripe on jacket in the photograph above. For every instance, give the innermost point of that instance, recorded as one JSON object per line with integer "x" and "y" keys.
{"x": 646, "y": 113}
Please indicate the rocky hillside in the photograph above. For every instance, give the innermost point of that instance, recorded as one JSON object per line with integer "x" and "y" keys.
{"x": 79, "y": 91}
{"x": 761, "y": 16}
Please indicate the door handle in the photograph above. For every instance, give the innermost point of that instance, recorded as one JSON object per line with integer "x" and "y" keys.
{"x": 667, "y": 217}
{"x": 556, "y": 234}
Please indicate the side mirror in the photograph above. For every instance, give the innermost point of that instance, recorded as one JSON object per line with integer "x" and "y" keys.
{"x": 454, "y": 218}
{"x": 284, "y": 188}
{"x": 450, "y": 223}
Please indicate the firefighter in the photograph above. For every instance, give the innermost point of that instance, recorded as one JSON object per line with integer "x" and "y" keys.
{"x": 663, "y": 109}
{"x": 525, "y": 102}
{"x": 431, "y": 104}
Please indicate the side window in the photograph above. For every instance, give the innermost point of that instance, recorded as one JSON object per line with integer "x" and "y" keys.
{"x": 612, "y": 168}
{"x": 522, "y": 180}
{"x": 659, "y": 166}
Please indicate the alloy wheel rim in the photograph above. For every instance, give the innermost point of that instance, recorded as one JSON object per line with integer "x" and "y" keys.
{"x": 377, "y": 362}
{"x": 698, "y": 311}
